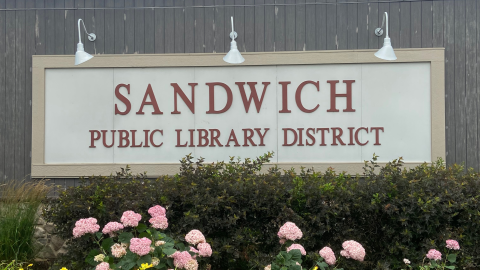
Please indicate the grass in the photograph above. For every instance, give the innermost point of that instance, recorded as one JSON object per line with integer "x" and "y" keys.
{"x": 14, "y": 265}
{"x": 19, "y": 202}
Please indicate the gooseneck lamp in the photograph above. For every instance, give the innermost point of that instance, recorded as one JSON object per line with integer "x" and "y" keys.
{"x": 233, "y": 56}
{"x": 386, "y": 52}
{"x": 81, "y": 56}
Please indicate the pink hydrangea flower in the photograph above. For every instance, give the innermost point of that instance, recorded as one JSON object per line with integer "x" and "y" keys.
{"x": 282, "y": 241}
{"x": 453, "y": 244}
{"x": 194, "y": 237}
{"x": 290, "y": 231}
{"x": 434, "y": 254}
{"x": 204, "y": 250}
{"x": 191, "y": 265}
{"x": 328, "y": 255}
{"x": 180, "y": 259}
{"x": 118, "y": 250}
{"x": 354, "y": 250}
{"x": 111, "y": 228}
{"x": 157, "y": 211}
{"x": 140, "y": 246}
{"x": 130, "y": 219}
{"x": 103, "y": 266}
{"x": 159, "y": 222}
{"x": 84, "y": 226}
{"x": 299, "y": 247}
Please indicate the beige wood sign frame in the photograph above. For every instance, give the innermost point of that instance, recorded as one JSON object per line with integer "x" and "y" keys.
{"x": 40, "y": 169}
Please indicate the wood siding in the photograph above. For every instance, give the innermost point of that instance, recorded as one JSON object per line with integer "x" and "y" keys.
{"x": 48, "y": 27}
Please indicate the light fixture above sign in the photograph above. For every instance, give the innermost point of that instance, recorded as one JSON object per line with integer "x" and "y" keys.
{"x": 81, "y": 56}
{"x": 233, "y": 56}
{"x": 386, "y": 52}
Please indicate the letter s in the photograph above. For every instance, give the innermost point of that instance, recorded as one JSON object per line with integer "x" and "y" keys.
{"x": 123, "y": 99}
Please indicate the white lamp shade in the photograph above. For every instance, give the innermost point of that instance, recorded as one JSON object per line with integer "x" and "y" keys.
{"x": 386, "y": 52}
{"x": 233, "y": 56}
{"x": 81, "y": 56}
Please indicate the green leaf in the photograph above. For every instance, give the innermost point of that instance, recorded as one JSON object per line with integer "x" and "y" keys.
{"x": 107, "y": 244}
{"x": 128, "y": 261}
{"x": 295, "y": 267}
{"x": 91, "y": 256}
{"x": 141, "y": 227}
{"x": 99, "y": 235}
{"x": 180, "y": 246}
{"x": 280, "y": 259}
{"x": 168, "y": 245}
{"x": 275, "y": 266}
{"x": 128, "y": 266}
{"x": 322, "y": 265}
{"x": 170, "y": 262}
{"x": 144, "y": 234}
{"x": 169, "y": 251}
{"x": 449, "y": 267}
{"x": 125, "y": 237}
{"x": 144, "y": 259}
{"x": 452, "y": 258}
{"x": 160, "y": 266}
{"x": 296, "y": 255}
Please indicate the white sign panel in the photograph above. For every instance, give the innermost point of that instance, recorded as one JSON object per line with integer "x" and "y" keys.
{"x": 304, "y": 113}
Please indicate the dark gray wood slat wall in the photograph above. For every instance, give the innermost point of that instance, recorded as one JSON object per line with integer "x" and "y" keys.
{"x": 3, "y": 95}
{"x": 191, "y": 28}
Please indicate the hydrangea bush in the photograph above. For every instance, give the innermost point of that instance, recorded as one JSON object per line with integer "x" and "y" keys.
{"x": 394, "y": 212}
{"x": 133, "y": 245}
{"x": 291, "y": 259}
{"x": 435, "y": 258}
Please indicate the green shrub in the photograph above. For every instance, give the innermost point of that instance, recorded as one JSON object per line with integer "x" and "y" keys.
{"x": 19, "y": 202}
{"x": 393, "y": 212}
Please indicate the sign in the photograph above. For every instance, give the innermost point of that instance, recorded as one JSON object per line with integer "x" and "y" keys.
{"x": 307, "y": 110}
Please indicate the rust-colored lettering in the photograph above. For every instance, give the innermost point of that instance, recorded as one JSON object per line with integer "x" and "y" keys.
{"x": 178, "y": 91}
{"x": 232, "y": 138}
{"x": 202, "y": 135}
{"x": 377, "y": 135}
{"x": 151, "y": 137}
{"x": 214, "y": 134}
{"x": 298, "y": 96}
{"x": 284, "y": 97}
{"x": 261, "y": 136}
{"x": 153, "y": 102}
{"x": 94, "y": 138}
{"x": 336, "y": 136}
{"x": 334, "y": 95}
{"x": 104, "y": 138}
{"x": 123, "y": 138}
{"x": 356, "y": 136}
{"x": 285, "y": 132}
{"x": 253, "y": 95}
{"x": 211, "y": 97}
{"x": 123, "y": 99}
{"x": 178, "y": 139}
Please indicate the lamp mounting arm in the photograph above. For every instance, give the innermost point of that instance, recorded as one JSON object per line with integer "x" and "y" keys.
{"x": 379, "y": 31}
{"x": 233, "y": 34}
{"x": 91, "y": 36}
